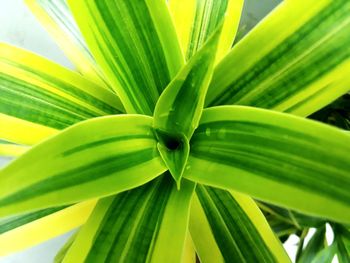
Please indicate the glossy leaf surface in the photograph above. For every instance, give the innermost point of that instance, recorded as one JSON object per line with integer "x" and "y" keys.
{"x": 9, "y": 149}
{"x": 196, "y": 20}
{"x": 27, "y": 230}
{"x": 239, "y": 228}
{"x": 135, "y": 44}
{"x": 180, "y": 106}
{"x": 147, "y": 224}
{"x": 41, "y": 97}
{"x": 57, "y": 19}
{"x": 95, "y": 158}
{"x": 273, "y": 157}
{"x": 296, "y": 60}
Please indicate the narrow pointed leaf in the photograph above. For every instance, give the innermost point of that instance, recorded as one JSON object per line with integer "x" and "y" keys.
{"x": 13, "y": 222}
{"x": 239, "y": 227}
{"x": 15, "y": 127}
{"x": 43, "y": 228}
{"x": 40, "y": 96}
{"x": 316, "y": 244}
{"x": 342, "y": 241}
{"x": 147, "y": 224}
{"x": 98, "y": 157}
{"x": 202, "y": 235}
{"x": 135, "y": 44}
{"x": 179, "y": 108}
{"x": 326, "y": 255}
{"x": 299, "y": 220}
{"x": 196, "y": 20}
{"x": 342, "y": 251}
{"x": 189, "y": 253}
{"x": 9, "y": 149}
{"x": 300, "y": 245}
{"x": 63, "y": 251}
{"x": 276, "y": 157}
{"x": 57, "y": 19}
{"x": 296, "y": 60}
{"x": 281, "y": 228}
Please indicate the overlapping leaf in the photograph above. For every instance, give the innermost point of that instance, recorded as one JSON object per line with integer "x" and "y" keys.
{"x": 296, "y": 60}
{"x": 196, "y": 20}
{"x": 342, "y": 242}
{"x": 274, "y": 156}
{"x": 299, "y": 220}
{"x": 281, "y": 228}
{"x": 179, "y": 108}
{"x": 135, "y": 44}
{"x": 147, "y": 224}
{"x": 12, "y": 222}
{"x": 64, "y": 249}
{"x": 98, "y": 157}
{"x": 57, "y": 19}
{"x": 9, "y": 149}
{"x": 23, "y": 231}
{"x": 270, "y": 156}
{"x": 316, "y": 244}
{"x": 326, "y": 255}
{"x": 40, "y": 97}
{"x": 237, "y": 227}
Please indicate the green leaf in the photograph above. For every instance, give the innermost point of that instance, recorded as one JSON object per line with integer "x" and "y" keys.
{"x": 23, "y": 231}
{"x": 202, "y": 234}
{"x": 316, "y": 244}
{"x": 9, "y": 149}
{"x": 301, "y": 234}
{"x": 180, "y": 106}
{"x": 135, "y": 44}
{"x": 57, "y": 19}
{"x": 326, "y": 255}
{"x": 98, "y": 157}
{"x": 296, "y": 60}
{"x": 342, "y": 241}
{"x": 147, "y": 224}
{"x": 196, "y": 20}
{"x": 297, "y": 219}
{"x": 13, "y": 222}
{"x": 63, "y": 251}
{"x": 342, "y": 253}
{"x": 189, "y": 254}
{"x": 281, "y": 228}
{"x": 282, "y": 225}
{"x": 41, "y": 97}
{"x": 275, "y": 157}
{"x": 239, "y": 228}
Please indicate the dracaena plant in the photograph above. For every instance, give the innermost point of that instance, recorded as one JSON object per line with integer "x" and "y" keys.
{"x": 138, "y": 149}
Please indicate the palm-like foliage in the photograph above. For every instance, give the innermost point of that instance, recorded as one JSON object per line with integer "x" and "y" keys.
{"x": 126, "y": 149}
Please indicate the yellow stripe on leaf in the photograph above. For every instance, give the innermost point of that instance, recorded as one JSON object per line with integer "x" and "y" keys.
{"x": 12, "y": 150}
{"x": 45, "y": 228}
{"x": 195, "y": 21}
{"x": 23, "y": 132}
{"x": 258, "y": 219}
{"x": 55, "y": 17}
